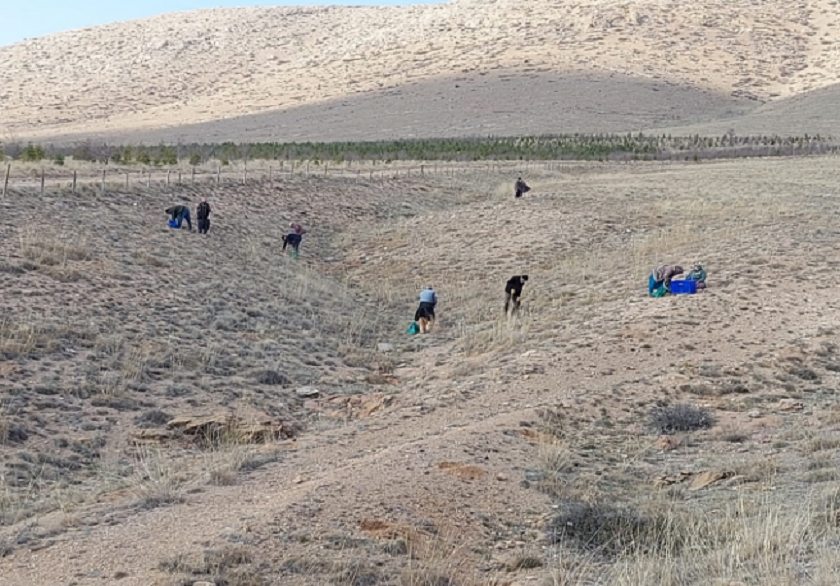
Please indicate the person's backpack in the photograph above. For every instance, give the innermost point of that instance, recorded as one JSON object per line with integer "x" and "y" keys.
{"x": 413, "y": 328}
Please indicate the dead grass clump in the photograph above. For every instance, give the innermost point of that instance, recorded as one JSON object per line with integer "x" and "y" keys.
{"x": 681, "y": 417}
{"x": 426, "y": 577}
{"x": 47, "y": 252}
{"x": 355, "y": 573}
{"x": 157, "y": 479}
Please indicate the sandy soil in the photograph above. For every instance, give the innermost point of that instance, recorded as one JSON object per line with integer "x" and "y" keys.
{"x": 438, "y": 459}
{"x": 196, "y": 67}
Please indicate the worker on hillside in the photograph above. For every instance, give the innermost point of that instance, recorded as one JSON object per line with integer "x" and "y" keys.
{"x": 659, "y": 283}
{"x": 513, "y": 293}
{"x": 297, "y": 229}
{"x": 425, "y": 314}
{"x": 520, "y": 187}
{"x": 202, "y": 212}
{"x": 698, "y": 274}
{"x": 178, "y": 214}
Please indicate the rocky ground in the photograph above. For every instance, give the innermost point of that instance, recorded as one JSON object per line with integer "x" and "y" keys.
{"x": 600, "y": 437}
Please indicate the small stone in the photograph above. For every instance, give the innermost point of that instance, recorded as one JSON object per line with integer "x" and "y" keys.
{"x": 502, "y": 477}
{"x": 307, "y": 392}
{"x": 383, "y": 347}
{"x": 755, "y": 413}
{"x": 204, "y": 584}
{"x": 299, "y": 480}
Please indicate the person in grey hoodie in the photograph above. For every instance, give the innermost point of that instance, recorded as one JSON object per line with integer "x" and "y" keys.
{"x": 425, "y": 314}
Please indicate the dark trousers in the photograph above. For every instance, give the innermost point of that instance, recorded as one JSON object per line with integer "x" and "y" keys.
{"x": 512, "y": 298}
{"x": 292, "y": 240}
{"x": 203, "y": 225}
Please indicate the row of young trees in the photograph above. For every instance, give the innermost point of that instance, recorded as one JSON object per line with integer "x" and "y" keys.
{"x": 562, "y": 147}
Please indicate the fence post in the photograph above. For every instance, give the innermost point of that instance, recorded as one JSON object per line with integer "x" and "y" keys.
{"x": 42, "y": 181}
{"x": 245, "y": 173}
{"x": 74, "y": 181}
{"x": 326, "y": 168}
{"x": 307, "y": 168}
{"x": 270, "y": 177}
{"x": 149, "y": 178}
{"x": 168, "y": 171}
{"x": 219, "y": 175}
{"x": 179, "y": 177}
{"x": 292, "y": 169}
{"x": 102, "y": 189}
{"x": 126, "y": 182}
{"x": 193, "y": 176}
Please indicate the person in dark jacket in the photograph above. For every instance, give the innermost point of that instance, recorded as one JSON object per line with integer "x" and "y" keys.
{"x": 203, "y": 215}
{"x": 513, "y": 292}
{"x": 520, "y": 187}
{"x": 293, "y": 240}
{"x": 179, "y": 214}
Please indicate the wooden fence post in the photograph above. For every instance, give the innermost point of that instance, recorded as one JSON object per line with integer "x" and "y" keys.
{"x": 244, "y": 173}
{"x": 292, "y": 169}
{"x": 102, "y": 189}
{"x": 127, "y": 182}
{"x": 193, "y": 176}
{"x": 149, "y": 178}
{"x": 219, "y": 175}
{"x": 307, "y": 168}
{"x": 6, "y": 181}
{"x": 326, "y": 168}
{"x": 42, "y": 181}
{"x": 270, "y": 177}
{"x": 179, "y": 177}
{"x": 168, "y": 171}
{"x": 74, "y": 182}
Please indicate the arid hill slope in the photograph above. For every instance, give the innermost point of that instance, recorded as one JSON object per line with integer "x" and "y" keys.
{"x": 207, "y": 65}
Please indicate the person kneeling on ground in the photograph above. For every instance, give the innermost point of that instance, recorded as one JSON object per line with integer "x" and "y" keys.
{"x": 659, "y": 283}
{"x": 513, "y": 292}
{"x": 697, "y": 274}
{"x": 425, "y": 314}
{"x": 179, "y": 214}
{"x": 203, "y": 215}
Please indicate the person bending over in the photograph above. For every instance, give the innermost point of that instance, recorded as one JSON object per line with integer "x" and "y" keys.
{"x": 179, "y": 214}
{"x": 425, "y": 314}
{"x": 513, "y": 293}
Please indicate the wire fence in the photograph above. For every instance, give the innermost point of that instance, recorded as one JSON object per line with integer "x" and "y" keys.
{"x": 25, "y": 177}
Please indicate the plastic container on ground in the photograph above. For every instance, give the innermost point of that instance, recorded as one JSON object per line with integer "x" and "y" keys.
{"x": 683, "y": 287}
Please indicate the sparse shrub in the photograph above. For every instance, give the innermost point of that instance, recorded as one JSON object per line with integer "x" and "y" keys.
{"x": 58, "y": 160}
{"x": 682, "y": 417}
{"x": 614, "y": 530}
{"x": 272, "y": 377}
{"x": 195, "y": 159}
{"x": 152, "y": 418}
{"x": 33, "y": 153}
{"x": 143, "y": 158}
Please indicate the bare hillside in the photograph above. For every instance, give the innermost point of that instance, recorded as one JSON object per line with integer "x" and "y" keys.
{"x": 209, "y": 65}
{"x": 600, "y": 437}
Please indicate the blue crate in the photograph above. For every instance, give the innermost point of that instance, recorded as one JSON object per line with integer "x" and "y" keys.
{"x": 173, "y": 223}
{"x": 683, "y": 287}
